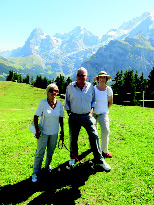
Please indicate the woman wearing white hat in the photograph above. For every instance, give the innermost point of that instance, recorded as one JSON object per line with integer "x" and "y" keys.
{"x": 104, "y": 100}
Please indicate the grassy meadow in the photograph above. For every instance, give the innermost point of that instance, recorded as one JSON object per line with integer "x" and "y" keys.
{"x": 131, "y": 143}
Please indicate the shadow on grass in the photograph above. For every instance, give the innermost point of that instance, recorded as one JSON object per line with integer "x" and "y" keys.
{"x": 61, "y": 186}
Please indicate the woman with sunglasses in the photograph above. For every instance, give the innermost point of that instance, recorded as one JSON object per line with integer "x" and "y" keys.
{"x": 51, "y": 113}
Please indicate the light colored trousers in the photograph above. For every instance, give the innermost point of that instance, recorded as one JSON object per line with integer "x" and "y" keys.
{"x": 103, "y": 120}
{"x": 45, "y": 141}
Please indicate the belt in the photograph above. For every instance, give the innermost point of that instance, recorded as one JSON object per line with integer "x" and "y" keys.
{"x": 79, "y": 114}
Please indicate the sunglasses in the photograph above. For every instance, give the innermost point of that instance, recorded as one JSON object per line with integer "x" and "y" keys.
{"x": 80, "y": 75}
{"x": 53, "y": 90}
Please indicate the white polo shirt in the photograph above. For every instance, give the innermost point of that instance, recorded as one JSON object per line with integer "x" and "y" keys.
{"x": 51, "y": 116}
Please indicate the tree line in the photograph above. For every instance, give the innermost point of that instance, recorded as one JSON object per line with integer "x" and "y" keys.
{"x": 40, "y": 82}
{"x": 127, "y": 86}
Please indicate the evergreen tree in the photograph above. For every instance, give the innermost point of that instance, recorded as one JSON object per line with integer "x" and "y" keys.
{"x": 44, "y": 83}
{"x": 9, "y": 76}
{"x": 32, "y": 81}
{"x": 19, "y": 78}
{"x": 138, "y": 88}
{"x": 26, "y": 79}
{"x": 68, "y": 81}
{"x": 15, "y": 77}
{"x": 151, "y": 84}
{"x": 137, "y": 82}
{"x": 38, "y": 81}
{"x": 125, "y": 87}
{"x": 49, "y": 81}
{"x": 60, "y": 82}
{"x": 117, "y": 87}
{"x": 143, "y": 84}
{"x": 129, "y": 87}
{"x": 118, "y": 82}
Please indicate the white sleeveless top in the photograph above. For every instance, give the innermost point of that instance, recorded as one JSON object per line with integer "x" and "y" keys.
{"x": 101, "y": 100}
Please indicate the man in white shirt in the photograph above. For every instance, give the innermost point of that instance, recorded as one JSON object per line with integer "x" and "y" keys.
{"x": 79, "y": 104}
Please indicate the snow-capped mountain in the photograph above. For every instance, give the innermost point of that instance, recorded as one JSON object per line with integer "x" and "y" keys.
{"x": 134, "y": 53}
{"x": 64, "y": 53}
{"x": 140, "y": 25}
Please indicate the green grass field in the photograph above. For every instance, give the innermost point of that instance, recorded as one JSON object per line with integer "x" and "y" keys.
{"x": 131, "y": 142}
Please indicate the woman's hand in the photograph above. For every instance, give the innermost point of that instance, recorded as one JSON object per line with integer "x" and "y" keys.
{"x": 62, "y": 130}
{"x": 37, "y": 135}
{"x": 91, "y": 111}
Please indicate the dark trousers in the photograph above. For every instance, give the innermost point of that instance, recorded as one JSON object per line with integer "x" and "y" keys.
{"x": 89, "y": 123}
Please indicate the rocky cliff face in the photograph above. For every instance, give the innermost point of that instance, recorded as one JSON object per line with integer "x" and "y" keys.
{"x": 134, "y": 53}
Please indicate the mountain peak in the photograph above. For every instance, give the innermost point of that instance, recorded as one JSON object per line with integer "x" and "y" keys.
{"x": 147, "y": 14}
{"x": 37, "y": 33}
{"x": 136, "y": 21}
{"x": 75, "y": 32}
{"x": 79, "y": 29}
{"x": 152, "y": 15}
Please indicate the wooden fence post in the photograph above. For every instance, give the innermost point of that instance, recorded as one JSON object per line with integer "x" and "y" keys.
{"x": 143, "y": 101}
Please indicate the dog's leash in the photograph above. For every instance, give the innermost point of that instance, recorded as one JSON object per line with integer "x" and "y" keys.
{"x": 63, "y": 144}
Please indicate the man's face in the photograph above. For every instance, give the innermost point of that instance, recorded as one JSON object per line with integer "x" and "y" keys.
{"x": 81, "y": 77}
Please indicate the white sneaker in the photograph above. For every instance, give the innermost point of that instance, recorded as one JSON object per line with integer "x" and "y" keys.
{"x": 50, "y": 169}
{"x": 72, "y": 162}
{"x": 105, "y": 166}
{"x": 34, "y": 178}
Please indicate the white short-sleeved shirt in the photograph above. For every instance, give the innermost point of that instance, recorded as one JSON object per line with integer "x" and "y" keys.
{"x": 51, "y": 116}
{"x": 101, "y": 100}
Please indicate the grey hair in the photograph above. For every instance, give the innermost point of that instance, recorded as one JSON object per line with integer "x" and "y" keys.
{"x": 50, "y": 86}
{"x": 83, "y": 69}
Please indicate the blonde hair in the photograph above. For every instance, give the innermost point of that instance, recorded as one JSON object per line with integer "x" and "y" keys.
{"x": 50, "y": 86}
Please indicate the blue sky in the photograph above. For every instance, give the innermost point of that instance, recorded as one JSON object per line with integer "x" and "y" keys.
{"x": 19, "y": 17}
